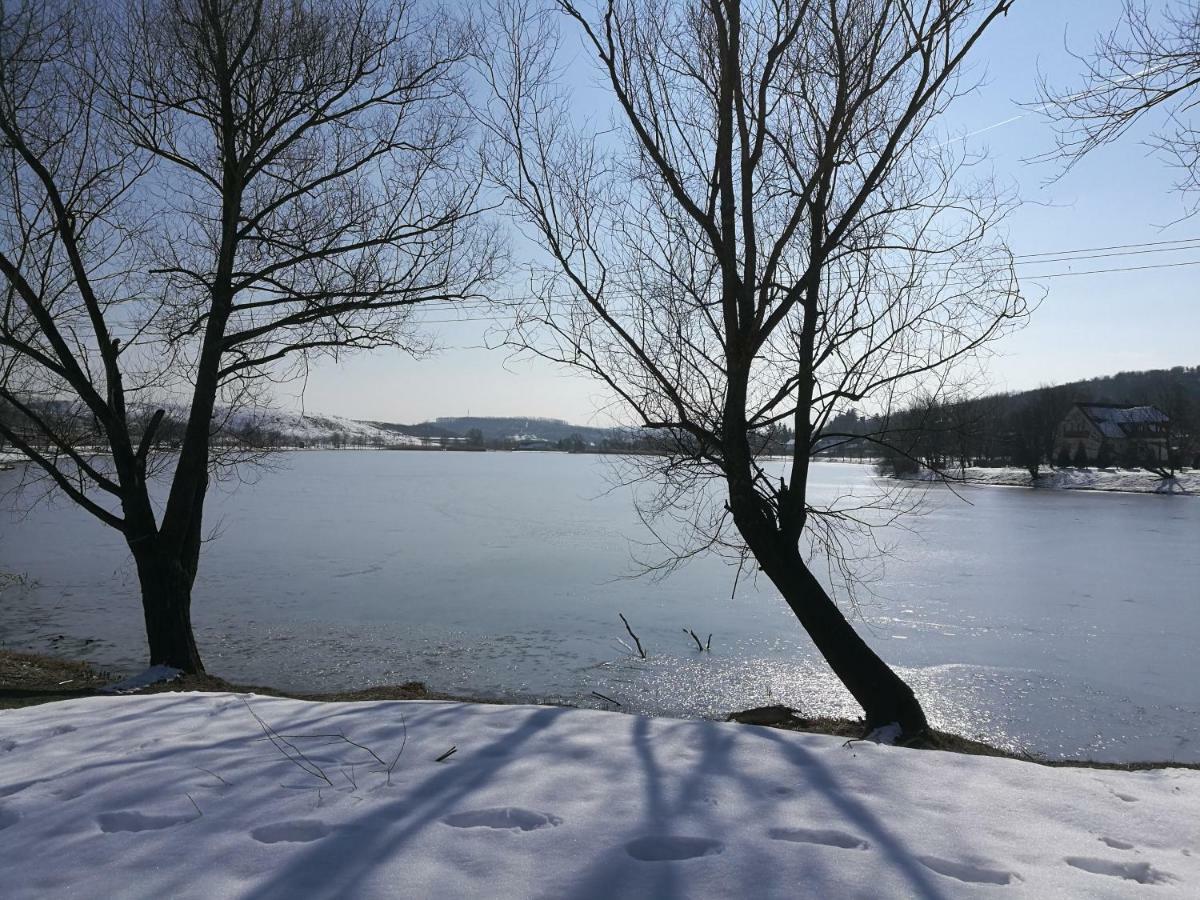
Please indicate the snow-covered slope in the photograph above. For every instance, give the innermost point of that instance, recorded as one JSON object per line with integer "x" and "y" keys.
{"x": 182, "y": 795}
{"x": 294, "y": 429}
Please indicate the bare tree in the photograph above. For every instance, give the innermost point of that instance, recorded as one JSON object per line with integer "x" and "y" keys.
{"x": 200, "y": 196}
{"x": 1168, "y": 394}
{"x": 767, "y": 232}
{"x": 1149, "y": 61}
{"x": 1033, "y": 427}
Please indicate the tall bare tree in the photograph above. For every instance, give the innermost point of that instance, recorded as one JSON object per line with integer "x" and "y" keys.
{"x": 1148, "y": 63}
{"x": 768, "y": 230}
{"x": 200, "y": 196}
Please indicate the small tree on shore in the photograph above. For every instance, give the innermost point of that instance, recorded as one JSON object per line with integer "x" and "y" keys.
{"x": 200, "y": 196}
{"x": 768, "y": 232}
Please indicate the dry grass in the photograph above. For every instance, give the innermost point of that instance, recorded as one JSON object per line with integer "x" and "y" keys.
{"x": 30, "y": 678}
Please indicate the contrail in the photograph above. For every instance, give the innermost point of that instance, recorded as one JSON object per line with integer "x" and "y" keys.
{"x": 1150, "y": 70}
{"x": 969, "y": 134}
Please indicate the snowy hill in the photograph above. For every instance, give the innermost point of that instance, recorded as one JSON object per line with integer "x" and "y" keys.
{"x": 293, "y": 429}
{"x": 190, "y": 796}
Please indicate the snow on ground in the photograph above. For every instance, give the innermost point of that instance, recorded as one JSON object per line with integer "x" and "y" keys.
{"x": 1133, "y": 480}
{"x": 181, "y": 795}
{"x": 144, "y": 679}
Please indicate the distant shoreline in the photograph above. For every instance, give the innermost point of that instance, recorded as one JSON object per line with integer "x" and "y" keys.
{"x": 1114, "y": 480}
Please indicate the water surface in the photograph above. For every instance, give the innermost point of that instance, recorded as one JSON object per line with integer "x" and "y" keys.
{"x": 1064, "y": 623}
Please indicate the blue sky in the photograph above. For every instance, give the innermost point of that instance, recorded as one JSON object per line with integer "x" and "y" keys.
{"x": 1085, "y": 326}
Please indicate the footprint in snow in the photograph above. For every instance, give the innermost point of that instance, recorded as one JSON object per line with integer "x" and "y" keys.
{"x": 1128, "y": 798}
{"x": 665, "y": 847}
{"x": 7, "y": 746}
{"x": 968, "y": 872}
{"x": 828, "y": 837}
{"x": 297, "y": 831}
{"x": 7, "y": 790}
{"x": 65, "y": 795}
{"x": 60, "y": 730}
{"x": 502, "y": 817}
{"x": 1117, "y": 844}
{"x": 131, "y": 820}
{"x": 1141, "y": 872}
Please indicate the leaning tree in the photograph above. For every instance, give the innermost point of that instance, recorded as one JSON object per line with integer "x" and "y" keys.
{"x": 199, "y": 197}
{"x": 768, "y": 228}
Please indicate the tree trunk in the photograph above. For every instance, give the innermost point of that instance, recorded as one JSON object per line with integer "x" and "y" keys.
{"x": 883, "y": 695}
{"x": 167, "y": 605}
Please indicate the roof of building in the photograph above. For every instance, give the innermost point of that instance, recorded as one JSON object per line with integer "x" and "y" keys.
{"x": 1118, "y": 421}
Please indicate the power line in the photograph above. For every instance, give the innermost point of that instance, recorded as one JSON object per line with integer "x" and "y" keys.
{"x": 1027, "y": 258}
{"x": 513, "y": 301}
{"x": 1193, "y": 262}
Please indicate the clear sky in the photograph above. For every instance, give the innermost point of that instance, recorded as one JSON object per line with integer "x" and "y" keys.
{"x": 1086, "y": 325}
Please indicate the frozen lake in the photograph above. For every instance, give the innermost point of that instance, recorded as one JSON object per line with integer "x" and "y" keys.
{"x": 1064, "y": 623}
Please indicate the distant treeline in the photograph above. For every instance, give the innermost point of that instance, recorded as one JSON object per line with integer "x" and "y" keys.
{"x": 1017, "y": 429}
{"x": 278, "y": 431}
{"x": 1020, "y": 429}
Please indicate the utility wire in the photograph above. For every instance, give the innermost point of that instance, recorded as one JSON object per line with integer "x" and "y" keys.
{"x": 1027, "y": 259}
{"x": 511, "y": 301}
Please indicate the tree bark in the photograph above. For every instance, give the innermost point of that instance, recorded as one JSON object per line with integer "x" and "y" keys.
{"x": 167, "y": 605}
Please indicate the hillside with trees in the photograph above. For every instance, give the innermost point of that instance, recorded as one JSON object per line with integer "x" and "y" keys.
{"x": 1019, "y": 429}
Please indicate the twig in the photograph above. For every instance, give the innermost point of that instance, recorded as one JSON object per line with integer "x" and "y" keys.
{"x": 283, "y": 746}
{"x": 447, "y": 754}
{"x": 632, "y": 635}
{"x": 603, "y": 697}
{"x": 403, "y": 743}
{"x": 699, "y": 646}
{"x": 199, "y": 812}
{"x": 336, "y": 736}
{"x": 213, "y": 774}
{"x": 708, "y": 645}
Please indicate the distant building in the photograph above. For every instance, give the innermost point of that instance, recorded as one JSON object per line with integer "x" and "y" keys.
{"x": 1126, "y": 432}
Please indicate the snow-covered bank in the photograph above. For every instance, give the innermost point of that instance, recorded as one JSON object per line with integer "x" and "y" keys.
{"x": 9, "y": 459}
{"x": 1137, "y": 481}
{"x": 181, "y": 795}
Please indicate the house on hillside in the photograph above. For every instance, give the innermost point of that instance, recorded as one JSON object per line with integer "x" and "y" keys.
{"x": 1124, "y": 433}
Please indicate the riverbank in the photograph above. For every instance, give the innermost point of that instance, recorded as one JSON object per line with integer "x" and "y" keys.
{"x": 1131, "y": 481}
{"x": 194, "y": 794}
{"x": 29, "y": 679}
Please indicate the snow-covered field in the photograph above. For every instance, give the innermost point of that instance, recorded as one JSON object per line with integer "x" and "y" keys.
{"x": 182, "y": 795}
{"x": 1132, "y": 480}
{"x": 8, "y": 458}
